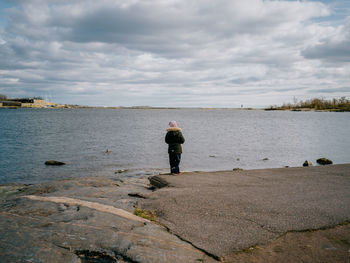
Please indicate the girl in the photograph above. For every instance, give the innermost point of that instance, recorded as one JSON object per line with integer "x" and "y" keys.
{"x": 174, "y": 139}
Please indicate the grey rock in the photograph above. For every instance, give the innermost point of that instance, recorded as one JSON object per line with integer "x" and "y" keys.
{"x": 221, "y": 213}
{"x": 46, "y": 229}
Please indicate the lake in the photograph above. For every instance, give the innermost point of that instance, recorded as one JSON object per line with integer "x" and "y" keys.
{"x": 218, "y": 139}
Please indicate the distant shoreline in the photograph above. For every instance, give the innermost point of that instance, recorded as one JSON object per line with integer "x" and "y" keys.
{"x": 42, "y": 104}
{"x": 168, "y": 108}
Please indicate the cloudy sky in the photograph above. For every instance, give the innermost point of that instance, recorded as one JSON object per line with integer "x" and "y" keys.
{"x": 207, "y": 53}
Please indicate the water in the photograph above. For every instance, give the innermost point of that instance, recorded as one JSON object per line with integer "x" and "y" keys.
{"x": 215, "y": 140}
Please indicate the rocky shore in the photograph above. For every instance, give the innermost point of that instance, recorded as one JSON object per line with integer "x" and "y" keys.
{"x": 270, "y": 215}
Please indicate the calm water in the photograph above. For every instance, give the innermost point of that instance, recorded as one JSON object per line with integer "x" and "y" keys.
{"x": 215, "y": 140}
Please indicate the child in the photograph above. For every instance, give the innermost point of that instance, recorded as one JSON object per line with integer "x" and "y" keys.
{"x": 174, "y": 139}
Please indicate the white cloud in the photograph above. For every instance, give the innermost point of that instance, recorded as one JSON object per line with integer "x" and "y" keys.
{"x": 169, "y": 53}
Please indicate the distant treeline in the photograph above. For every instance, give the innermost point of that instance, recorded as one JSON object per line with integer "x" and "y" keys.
{"x": 5, "y": 98}
{"x": 342, "y": 104}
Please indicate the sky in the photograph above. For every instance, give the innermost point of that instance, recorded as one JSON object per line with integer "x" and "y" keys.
{"x": 175, "y": 53}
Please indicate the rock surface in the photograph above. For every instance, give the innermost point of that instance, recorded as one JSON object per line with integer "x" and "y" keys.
{"x": 224, "y": 212}
{"x": 84, "y": 220}
{"x": 207, "y": 217}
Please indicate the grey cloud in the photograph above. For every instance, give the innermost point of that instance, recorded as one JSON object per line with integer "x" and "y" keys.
{"x": 244, "y": 80}
{"x": 331, "y": 90}
{"x": 333, "y": 49}
{"x": 170, "y": 29}
{"x": 158, "y": 49}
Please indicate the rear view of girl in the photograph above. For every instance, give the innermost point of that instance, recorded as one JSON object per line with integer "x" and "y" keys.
{"x": 174, "y": 139}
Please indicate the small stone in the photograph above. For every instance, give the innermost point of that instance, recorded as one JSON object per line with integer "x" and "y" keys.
{"x": 237, "y": 169}
{"x": 212, "y": 156}
{"x": 157, "y": 181}
{"x": 120, "y": 171}
{"x": 265, "y": 159}
{"x": 62, "y": 207}
{"x": 237, "y": 159}
{"x": 307, "y": 163}
{"x": 324, "y": 161}
{"x": 53, "y": 162}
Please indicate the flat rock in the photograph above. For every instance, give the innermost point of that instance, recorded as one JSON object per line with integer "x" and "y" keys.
{"x": 84, "y": 220}
{"x": 225, "y": 212}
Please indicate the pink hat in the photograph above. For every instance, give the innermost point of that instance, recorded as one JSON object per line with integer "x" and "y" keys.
{"x": 173, "y": 124}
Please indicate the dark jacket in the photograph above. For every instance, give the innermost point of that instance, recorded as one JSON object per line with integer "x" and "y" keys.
{"x": 174, "y": 138}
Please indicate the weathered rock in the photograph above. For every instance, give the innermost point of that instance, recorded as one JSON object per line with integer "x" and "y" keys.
{"x": 89, "y": 221}
{"x": 324, "y": 161}
{"x": 53, "y": 162}
{"x": 307, "y": 163}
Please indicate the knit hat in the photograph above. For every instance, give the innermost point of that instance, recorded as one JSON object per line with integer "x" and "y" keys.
{"x": 173, "y": 124}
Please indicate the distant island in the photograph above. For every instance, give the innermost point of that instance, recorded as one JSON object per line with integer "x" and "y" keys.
{"x": 35, "y": 102}
{"x": 316, "y": 104}
{"x": 39, "y": 103}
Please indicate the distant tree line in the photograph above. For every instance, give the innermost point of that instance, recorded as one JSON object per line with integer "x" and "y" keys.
{"x": 341, "y": 104}
{"x": 4, "y": 97}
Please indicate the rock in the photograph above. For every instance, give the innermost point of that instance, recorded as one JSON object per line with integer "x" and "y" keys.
{"x": 237, "y": 159}
{"x": 120, "y": 171}
{"x": 53, "y": 162}
{"x": 265, "y": 159}
{"x": 237, "y": 169}
{"x": 45, "y": 229}
{"x": 307, "y": 163}
{"x": 212, "y": 156}
{"x": 157, "y": 181}
{"x": 324, "y": 161}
